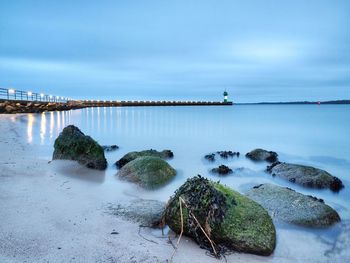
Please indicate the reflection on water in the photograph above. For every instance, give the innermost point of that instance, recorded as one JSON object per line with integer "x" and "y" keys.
{"x": 30, "y": 127}
{"x": 42, "y": 128}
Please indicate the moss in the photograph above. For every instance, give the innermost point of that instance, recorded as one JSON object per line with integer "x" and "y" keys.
{"x": 232, "y": 219}
{"x": 148, "y": 172}
{"x": 165, "y": 154}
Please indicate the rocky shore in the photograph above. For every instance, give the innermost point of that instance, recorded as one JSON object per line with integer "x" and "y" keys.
{"x": 12, "y": 107}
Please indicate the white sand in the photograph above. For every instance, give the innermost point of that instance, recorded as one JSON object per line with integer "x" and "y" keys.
{"x": 48, "y": 216}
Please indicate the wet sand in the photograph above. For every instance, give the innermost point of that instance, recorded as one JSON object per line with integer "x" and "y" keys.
{"x": 50, "y": 214}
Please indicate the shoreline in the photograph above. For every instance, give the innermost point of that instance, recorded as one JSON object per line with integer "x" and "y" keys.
{"x": 49, "y": 213}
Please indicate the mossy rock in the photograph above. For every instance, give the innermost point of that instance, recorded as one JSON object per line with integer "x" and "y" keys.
{"x": 148, "y": 172}
{"x": 229, "y": 218}
{"x": 287, "y": 205}
{"x": 74, "y": 145}
{"x": 259, "y": 155}
{"x": 305, "y": 175}
{"x": 165, "y": 154}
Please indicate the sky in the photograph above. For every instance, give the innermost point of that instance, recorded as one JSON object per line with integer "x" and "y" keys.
{"x": 257, "y": 50}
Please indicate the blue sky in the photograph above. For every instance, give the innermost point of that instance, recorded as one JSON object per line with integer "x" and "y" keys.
{"x": 257, "y": 50}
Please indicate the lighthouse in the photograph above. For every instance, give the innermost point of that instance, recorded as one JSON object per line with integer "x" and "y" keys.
{"x": 225, "y": 96}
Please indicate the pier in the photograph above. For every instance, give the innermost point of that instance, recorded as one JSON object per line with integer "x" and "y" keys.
{"x": 12, "y": 95}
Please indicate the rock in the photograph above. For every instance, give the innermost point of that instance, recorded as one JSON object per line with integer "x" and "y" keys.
{"x": 305, "y": 175}
{"x": 262, "y": 155}
{"x": 165, "y": 154}
{"x": 110, "y": 148}
{"x": 72, "y": 144}
{"x": 222, "y": 170}
{"x": 145, "y": 212}
{"x": 10, "y": 109}
{"x": 229, "y": 218}
{"x": 148, "y": 172}
{"x": 210, "y": 157}
{"x": 292, "y": 207}
{"x": 226, "y": 154}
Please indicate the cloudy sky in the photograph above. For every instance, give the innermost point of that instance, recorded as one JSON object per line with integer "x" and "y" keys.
{"x": 259, "y": 50}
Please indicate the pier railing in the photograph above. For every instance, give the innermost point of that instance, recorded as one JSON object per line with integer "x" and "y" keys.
{"x": 19, "y": 95}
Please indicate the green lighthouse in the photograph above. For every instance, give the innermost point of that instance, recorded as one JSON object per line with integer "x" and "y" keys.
{"x": 225, "y": 96}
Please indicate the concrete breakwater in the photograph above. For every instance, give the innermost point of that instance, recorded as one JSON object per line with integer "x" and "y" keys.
{"x": 15, "y": 106}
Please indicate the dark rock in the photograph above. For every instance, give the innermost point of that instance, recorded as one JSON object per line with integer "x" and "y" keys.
{"x": 72, "y": 144}
{"x": 230, "y": 219}
{"x": 262, "y": 155}
{"x": 290, "y": 206}
{"x": 148, "y": 172}
{"x": 210, "y": 157}
{"x": 110, "y": 148}
{"x": 222, "y": 170}
{"x": 305, "y": 175}
{"x": 165, "y": 154}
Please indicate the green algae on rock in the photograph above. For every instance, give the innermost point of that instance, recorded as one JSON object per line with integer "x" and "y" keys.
{"x": 74, "y": 145}
{"x": 230, "y": 219}
{"x": 148, "y": 172}
{"x": 290, "y": 206}
{"x": 165, "y": 154}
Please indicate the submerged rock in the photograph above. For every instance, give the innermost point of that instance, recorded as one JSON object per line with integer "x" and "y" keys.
{"x": 148, "y": 172}
{"x": 305, "y": 175}
{"x": 229, "y": 218}
{"x": 110, "y": 148}
{"x": 74, "y": 145}
{"x": 210, "y": 157}
{"x": 222, "y": 170}
{"x": 145, "y": 212}
{"x": 262, "y": 155}
{"x": 165, "y": 154}
{"x": 292, "y": 207}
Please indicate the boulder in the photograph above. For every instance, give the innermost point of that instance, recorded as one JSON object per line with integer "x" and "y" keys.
{"x": 262, "y": 155}
{"x": 287, "y": 205}
{"x": 10, "y": 109}
{"x": 210, "y": 157}
{"x": 72, "y": 144}
{"x": 222, "y": 170}
{"x": 305, "y": 175}
{"x": 148, "y": 172}
{"x": 165, "y": 154}
{"x": 230, "y": 219}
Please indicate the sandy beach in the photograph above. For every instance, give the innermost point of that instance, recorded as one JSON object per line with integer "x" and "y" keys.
{"x": 50, "y": 214}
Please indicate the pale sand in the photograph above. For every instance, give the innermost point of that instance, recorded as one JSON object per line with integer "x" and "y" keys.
{"x": 47, "y": 216}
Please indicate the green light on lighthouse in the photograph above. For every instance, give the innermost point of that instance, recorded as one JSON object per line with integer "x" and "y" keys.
{"x": 225, "y": 96}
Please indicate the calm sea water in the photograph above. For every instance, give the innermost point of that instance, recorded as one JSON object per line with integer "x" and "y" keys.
{"x": 304, "y": 134}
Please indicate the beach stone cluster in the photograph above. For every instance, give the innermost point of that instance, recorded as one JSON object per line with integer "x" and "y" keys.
{"x": 72, "y": 144}
{"x": 36, "y": 107}
{"x": 229, "y": 218}
{"x": 262, "y": 155}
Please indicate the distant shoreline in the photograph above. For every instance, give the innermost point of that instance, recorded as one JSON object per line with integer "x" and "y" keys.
{"x": 296, "y": 102}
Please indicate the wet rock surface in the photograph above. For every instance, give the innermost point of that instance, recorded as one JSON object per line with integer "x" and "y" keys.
{"x": 222, "y": 170}
{"x": 145, "y": 212}
{"x": 287, "y": 205}
{"x": 12, "y": 107}
{"x": 230, "y": 219}
{"x": 110, "y": 148}
{"x": 305, "y": 175}
{"x": 165, "y": 154}
{"x": 223, "y": 154}
{"x": 262, "y": 155}
{"x": 148, "y": 172}
{"x": 74, "y": 145}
